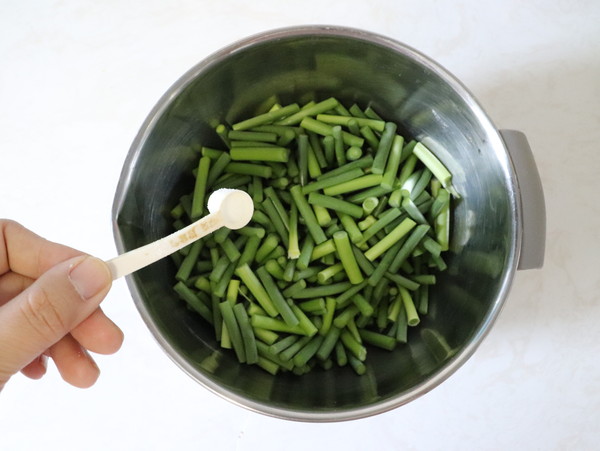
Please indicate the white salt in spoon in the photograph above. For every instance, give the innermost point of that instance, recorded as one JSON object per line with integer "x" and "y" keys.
{"x": 229, "y": 208}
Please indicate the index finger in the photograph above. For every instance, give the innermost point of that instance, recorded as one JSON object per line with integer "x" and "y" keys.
{"x": 26, "y": 253}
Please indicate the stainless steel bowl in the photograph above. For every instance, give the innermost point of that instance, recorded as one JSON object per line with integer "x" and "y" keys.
{"x": 498, "y": 225}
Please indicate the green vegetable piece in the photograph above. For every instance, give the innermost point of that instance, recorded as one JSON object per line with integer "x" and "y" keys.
{"x": 385, "y": 219}
{"x": 237, "y": 144}
{"x": 366, "y": 223}
{"x": 314, "y": 306}
{"x": 266, "y": 118}
{"x": 222, "y": 131}
{"x": 193, "y": 300}
{"x": 424, "y": 279}
{"x": 211, "y": 153}
{"x": 329, "y": 149}
{"x": 377, "y": 339}
{"x": 344, "y": 299}
{"x": 331, "y": 337}
{"x": 265, "y": 353}
{"x": 277, "y": 221}
{"x": 308, "y": 351}
{"x": 411, "y": 312}
{"x": 276, "y": 297}
{"x": 419, "y": 186}
{"x": 340, "y": 354}
{"x": 219, "y": 268}
{"x": 249, "y": 253}
{"x": 353, "y": 346}
{"x": 353, "y": 153}
{"x": 432, "y": 246}
{"x": 370, "y": 137}
{"x": 247, "y": 334}
{"x": 203, "y": 284}
{"x": 365, "y": 265}
{"x": 217, "y": 168}
{"x": 327, "y": 182}
{"x": 233, "y": 330}
{"x": 267, "y": 365}
{"x": 304, "y": 322}
{"x": 383, "y": 150}
{"x": 293, "y": 289}
{"x": 369, "y": 205}
{"x": 275, "y": 154}
{"x": 274, "y": 268}
{"x": 289, "y": 353}
{"x": 442, "y": 227}
{"x": 281, "y": 210}
{"x": 408, "y": 246}
{"x": 323, "y": 249}
{"x": 249, "y": 169}
{"x": 239, "y": 135}
{"x": 230, "y": 250}
{"x": 315, "y": 144}
{"x": 323, "y": 291}
{"x": 362, "y": 163}
{"x": 371, "y": 114}
{"x": 344, "y": 250}
{"x": 336, "y": 204}
{"x": 283, "y": 344}
{"x": 303, "y": 158}
{"x": 323, "y": 129}
{"x": 314, "y": 170}
{"x": 350, "y": 226}
{"x": 366, "y": 181}
{"x": 375, "y": 191}
{"x": 274, "y": 324}
{"x": 364, "y": 307}
{"x": 393, "y": 163}
{"x": 402, "y": 229}
{"x": 200, "y": 188}
{"x": 313, "y": 110}
{"x": 409, "y": 206}
{"x": 258, "y": 291}
{"x": 220, "y": 286}
{"x": 358, "y": 366}
{"x": 265, "y": 249}
{"x": 323, "y": 217}
{"x": 340, "y": 154}
{"x": 293, "y": 245}
{"x": 307, "y": 213}
{"x": 233, "y": 288}
{"x": 344, "y": 317}
{"x": 377, "y": 125}
{"x": 356, "y": 111}
{"x": 435, "y": 166}
{"x": 305, "y": 253}
{"x": 441, "y": 199}
{"x": 402, "y": 281}
{"x": 325, "y": 274}
{"x": 188, "y": 263}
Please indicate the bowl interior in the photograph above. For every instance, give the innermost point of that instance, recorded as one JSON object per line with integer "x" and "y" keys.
{"x": 403, "y": 86}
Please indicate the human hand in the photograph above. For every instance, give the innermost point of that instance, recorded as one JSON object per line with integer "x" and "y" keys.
{"x": 49, "y": 306}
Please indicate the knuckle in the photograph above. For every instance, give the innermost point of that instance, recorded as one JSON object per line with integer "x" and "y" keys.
{"x": 42, "y": 315}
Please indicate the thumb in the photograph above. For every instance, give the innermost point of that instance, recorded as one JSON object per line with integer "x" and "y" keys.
{"x": 50, "y": 308}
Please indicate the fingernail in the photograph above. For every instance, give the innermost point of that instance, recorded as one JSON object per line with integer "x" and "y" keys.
{"x": 44, "y": 361}
{"x": 89, "y": 276}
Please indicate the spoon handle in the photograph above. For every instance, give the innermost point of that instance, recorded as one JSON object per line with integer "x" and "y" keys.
{"x": 135, "y": 259}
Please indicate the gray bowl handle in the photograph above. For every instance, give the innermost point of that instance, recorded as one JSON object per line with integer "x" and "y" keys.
{"x": 533, "y": 207}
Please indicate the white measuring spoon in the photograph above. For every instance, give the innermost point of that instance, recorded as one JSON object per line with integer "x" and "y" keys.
{"x": 229, "y": 208}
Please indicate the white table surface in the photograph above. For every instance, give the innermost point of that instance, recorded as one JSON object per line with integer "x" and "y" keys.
{"x": 77, "y": 78}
